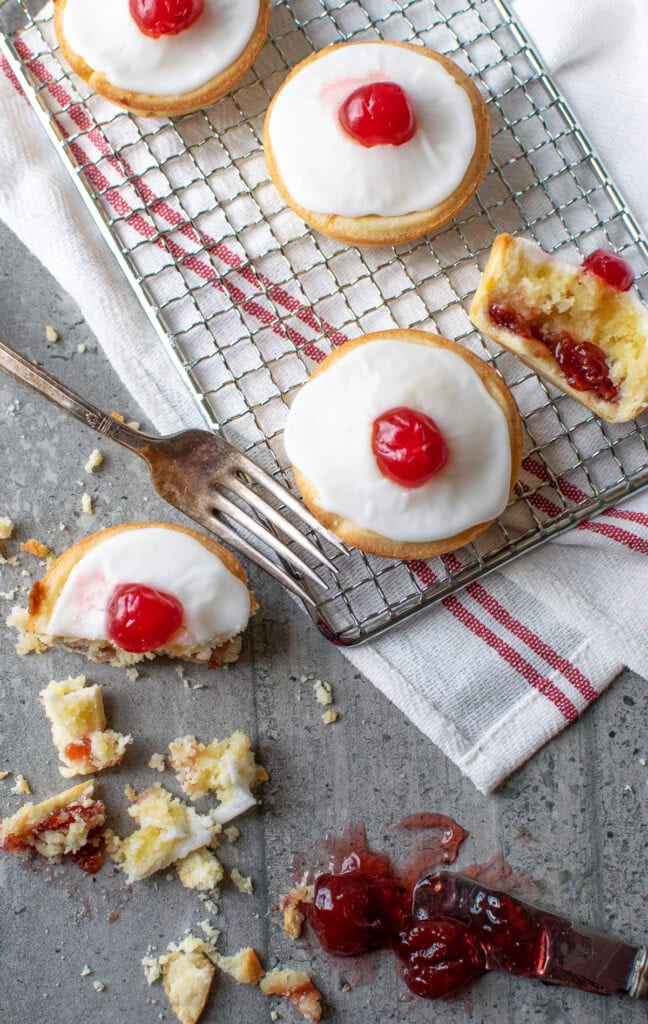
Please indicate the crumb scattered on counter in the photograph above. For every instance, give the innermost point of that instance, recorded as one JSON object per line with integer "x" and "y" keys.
{"x": 82, "y": 349}
{"x": 8, "y": 595}
{"x": 6, "y": 528}
{"x": 87, "y": 506}
{"x": 242, "y": 882}
{"x": 180, "y": 670}
{"x": 95, "y": 459}
{"x": 330, "y": 716}
{"x": 4, "y": 775}
{"x": 50, "y": 334}
{"x": 34, "y": 547}
{"x": 98, "y": 986}
{"x": 297, "y": 988}
{"x": 118, "y": 416}
{"x": 232, "y": 834}
{"x": 209, "y": 930}
{"x": 274, "y": 1015}
{"x": 292, "y": 905}
{"x": 132, "y": 674}
{"x": 133, "y": 424}
{"x": 323, "y": 692}
{"x": 244, "y": 966}
{"x": 157, "y": 762}
{"x": 86, "y": 971}
{"x": 21, "y": 786}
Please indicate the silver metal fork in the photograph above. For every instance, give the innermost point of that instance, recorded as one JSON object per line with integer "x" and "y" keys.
{"x": 194, "y": 471}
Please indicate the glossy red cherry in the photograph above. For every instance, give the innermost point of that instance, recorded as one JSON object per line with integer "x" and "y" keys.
{"x": 439, "y": 957}
{"x": 379, "y": 114}
{"x": 165, "y": 17}
{"x": 611, "y": 268}
{"x": 348, "y": 913}
{"x": 408, "y": 446}
{"x": 142, "y": 619}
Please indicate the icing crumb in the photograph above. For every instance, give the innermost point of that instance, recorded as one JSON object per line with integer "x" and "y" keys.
{"x": 133, "y": 424}
{"x": 98, "y": 986}
{"x": 323, "y": 692}
{"x": 82, "y": 349}
{"x": 86, "y": 971}
{"x": 330, "y": 716}
{"x": 6, "y": 528}
{"x": 242, "y": 882}
{"x": 34, "y": 547}
{"x": 86, "y": 504}
{"x": 132, "y": 674}
{"x": 21, "y": 786}
{"x": 50, "y": 334}
{"x": 274, "y": 1015}
{"x": 156, "y": 762}
{"x": 232, "y": 834}
{"x": 94, "y": 461}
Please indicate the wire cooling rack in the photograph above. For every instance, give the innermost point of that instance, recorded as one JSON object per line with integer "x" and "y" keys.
{"x": 246, "y": 300}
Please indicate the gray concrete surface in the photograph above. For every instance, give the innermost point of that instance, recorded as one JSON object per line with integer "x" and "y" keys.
{"x": 574, "y": 818}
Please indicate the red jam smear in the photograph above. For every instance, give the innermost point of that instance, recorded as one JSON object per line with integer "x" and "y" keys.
{"x": 79, "y": 750}
{"x": 583, "y": 364}
{"x": 378, "y": 114}
{"x": 165, "y": 17}
{"x": 142, "y": 619}
{"x": 611, "y": 268}
{"x": 408, "y": 446}
{"x": 90, "y": 857}
{"x": 446, "y": 930}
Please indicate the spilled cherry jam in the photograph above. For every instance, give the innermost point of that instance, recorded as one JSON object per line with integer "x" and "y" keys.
{"x": 379, "y": 114}
{"x": 583, "y": 364}
{"x": 165, "y": 17}
{"x": 141, "y": 619}
{"x": 408, "y": 446}
{"x": 611, "y": 268}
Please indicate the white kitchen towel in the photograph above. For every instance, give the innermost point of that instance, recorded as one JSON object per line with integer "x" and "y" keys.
{"x": 499, "y": 669}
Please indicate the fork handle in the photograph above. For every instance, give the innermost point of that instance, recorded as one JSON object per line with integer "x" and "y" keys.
{"x": 23, "y": 370}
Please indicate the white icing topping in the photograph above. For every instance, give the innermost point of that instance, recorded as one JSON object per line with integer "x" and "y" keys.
{"x": 105, "y": 35}
{"x": 216, "y": 603}
{"x": 329, "y": 430}
{"x": 326, "y": 171}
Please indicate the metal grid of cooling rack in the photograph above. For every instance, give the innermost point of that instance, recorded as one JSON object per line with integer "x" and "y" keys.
{"x": 246, "y": 299}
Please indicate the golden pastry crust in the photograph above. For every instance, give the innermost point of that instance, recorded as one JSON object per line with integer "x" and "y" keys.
{"x": 376, "y": 230}
{"x": 374, "y": 543}
{"x": 502, "y": 275}
{"x": 174, "y": 105}
{"x": 44, "y": 594}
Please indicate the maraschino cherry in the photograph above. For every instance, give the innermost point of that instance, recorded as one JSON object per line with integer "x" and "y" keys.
{"x": 408, "y": 446}
{"x": 611, "y": 268}
{"x": 142, "y": 619}
{"x": 165, "y": 17}
{"x": 379, "y": 114}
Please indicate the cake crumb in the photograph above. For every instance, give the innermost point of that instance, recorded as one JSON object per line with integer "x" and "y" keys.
{"x": 242, "y": 882}
{"x": 210, "y": 906}
{"x": 8, "y": 595}
{"x": 82, "y": 349}
{"x": 130, "y": 793}
{"x": 232, "y": 834}
{"x": 152, "y": 968}
{"x": 34, "y": 547}
{"x": 133, "y": 424}
{"x": 323, "y": 692}
{"x": 98, "y": 986}
{"x": 274, "y": 1015}
{"x": 346, "y": 987}
{"x": 95, "y": 459}
{"x": 132, "y": 674}
{"x": 50, "y": 334}
{"x": 209, "y": 930}
{"x": 86, "y": 971}
{"x": 21, "y": 786}
{"x": 4, "y": 775}
{"x": 86, "y": 504}
{"x": 118, "y": 416}
{"x": 6, "y": 528}
{"x": 156, "y": 762}
{"x": 330, "y": 716}
{"x": 180, "y": 670}
{"x": 293, "y": 904}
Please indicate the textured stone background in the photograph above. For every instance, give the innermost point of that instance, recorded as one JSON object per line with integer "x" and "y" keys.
{"x": 574, "y": 818}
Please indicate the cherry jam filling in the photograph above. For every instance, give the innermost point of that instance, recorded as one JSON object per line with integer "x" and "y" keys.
{"x": 583, "y": 364}
{"x": 408, "y": 446}
{"x": 90, "y": 857}
{"x": 79, "y": 750}
{"x": 611, "y": 268}
{"x": 141, "y": 619}
{"x": 378, "y": 114}
{"x": 165, "y": 17}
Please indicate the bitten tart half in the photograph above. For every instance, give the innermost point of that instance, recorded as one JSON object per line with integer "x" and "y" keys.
{"x": 580, "y": 327}
{"x": 139, "y": 590}
{"x": 161, "y": 58}
{"x": 405, "y": 444}
{"x": 377, "y": 143}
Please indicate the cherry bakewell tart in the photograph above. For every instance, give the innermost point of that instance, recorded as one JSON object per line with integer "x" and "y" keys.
{"x": 405, "y": 444}
{"x": 580, "y": 327}
{"x": 161, "y": 57}
{"x": 139, "y": 590}
{"x": 376, "y": 143}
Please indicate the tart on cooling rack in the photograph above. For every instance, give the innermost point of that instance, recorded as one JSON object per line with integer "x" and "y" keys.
{"x": 376, "y": 143}
{"x": 161, "y": 57}
{"x": 143, "y": 589}
{"x": 405, "y": 444}
{"x": 580, "y": 327}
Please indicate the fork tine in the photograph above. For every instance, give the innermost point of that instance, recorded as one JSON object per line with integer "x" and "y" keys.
{"x": 223, "y": 504}
{"x": 232, "y": 538}
{"x": 270, "y": 513}
{"x": 281, "y": 492}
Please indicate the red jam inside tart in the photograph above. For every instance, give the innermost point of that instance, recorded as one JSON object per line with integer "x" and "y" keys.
{"x": 379, "y": 114}
{"x": 408, "y": 446}
{"x": 91, "y": 856}
{"x": 165, "y": 17}
{"x": 142, "y": 619}
{"x": 611, "y": 268}
{"x": 79, "y": 750}
{"x": 583, "y": 364}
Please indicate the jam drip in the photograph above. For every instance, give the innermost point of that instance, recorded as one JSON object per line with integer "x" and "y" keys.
{"x": 583, "y": 364}
{"x": 165, "y": 17}
{"x": 379, "y": 114}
